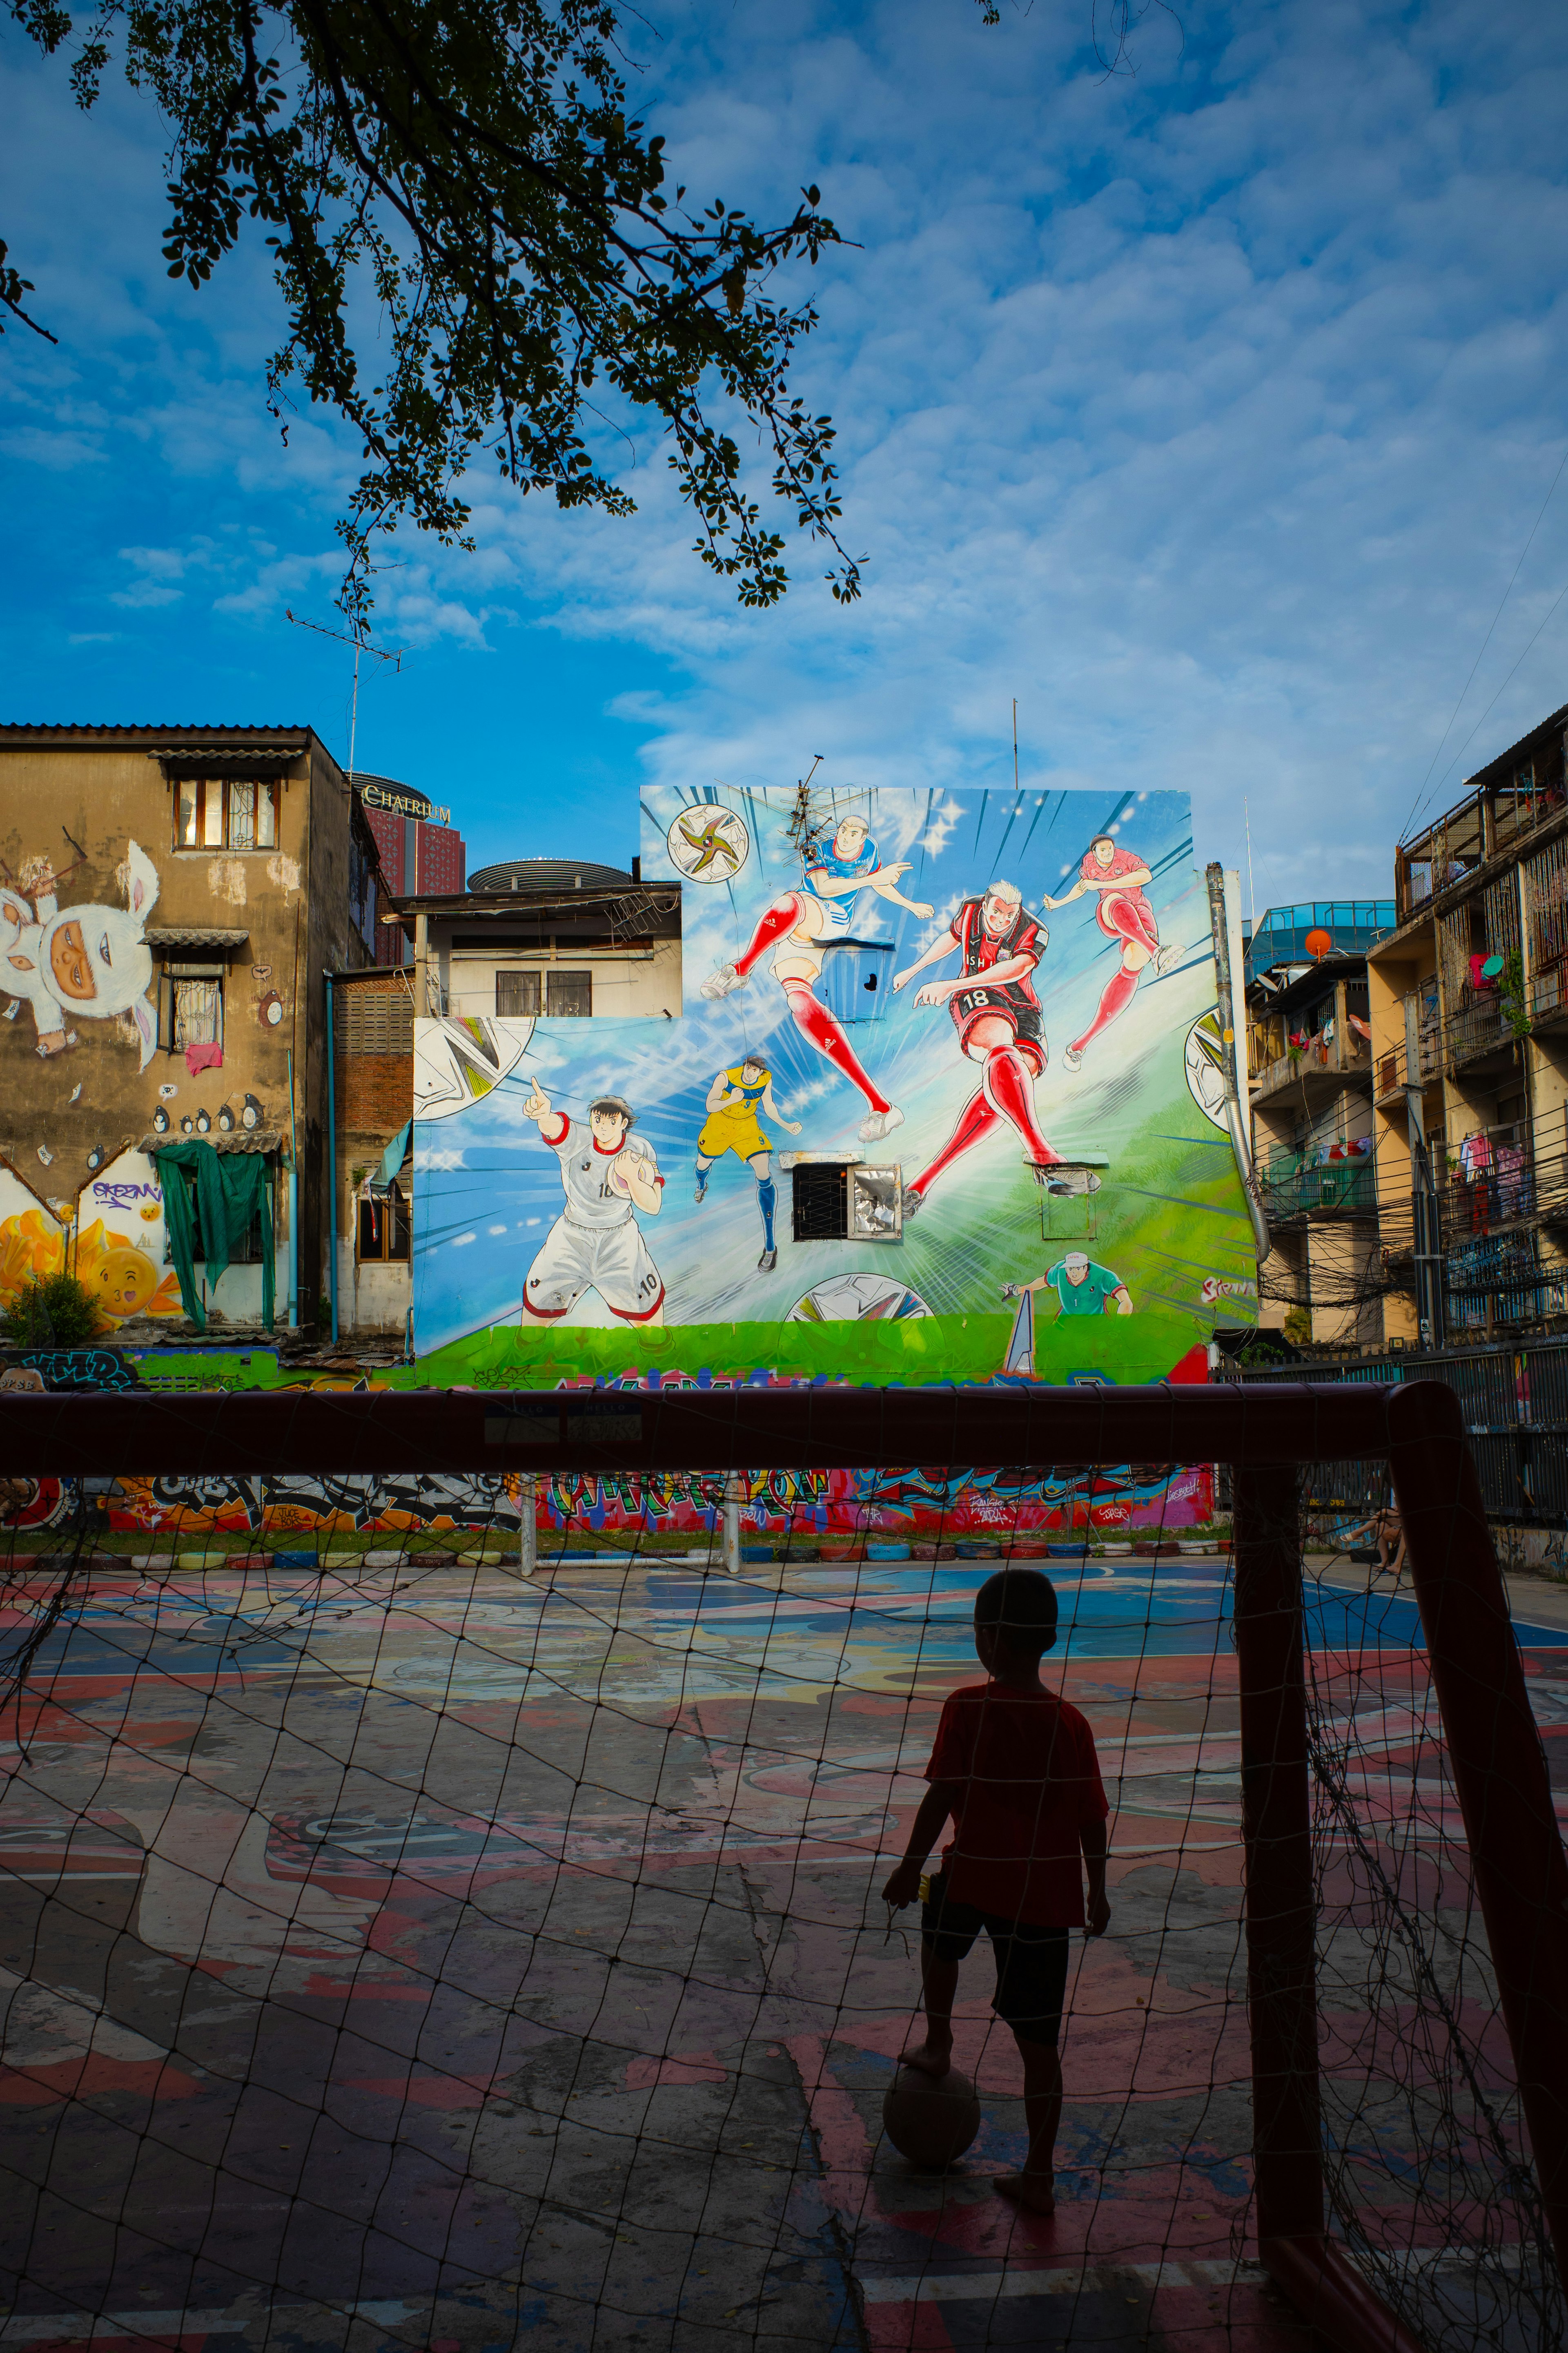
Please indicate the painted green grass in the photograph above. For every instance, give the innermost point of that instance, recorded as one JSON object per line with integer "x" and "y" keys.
{"x": 920, "y": 1350}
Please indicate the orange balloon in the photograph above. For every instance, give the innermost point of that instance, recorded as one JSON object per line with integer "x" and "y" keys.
{"x": 1318, "y": 943}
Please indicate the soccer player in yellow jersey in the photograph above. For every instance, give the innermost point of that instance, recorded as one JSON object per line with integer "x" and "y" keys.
{"x": 732, "y": 1126}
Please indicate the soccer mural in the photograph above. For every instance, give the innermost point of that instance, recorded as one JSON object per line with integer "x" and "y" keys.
{"x": 943, "y": 1102}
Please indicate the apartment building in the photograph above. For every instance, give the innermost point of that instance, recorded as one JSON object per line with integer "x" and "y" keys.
{"x": 171, "y": 899}
{"x": 1308, "y": 1060}
{"x": 1468, "y": 1005}
{"x": 547, "y": 938}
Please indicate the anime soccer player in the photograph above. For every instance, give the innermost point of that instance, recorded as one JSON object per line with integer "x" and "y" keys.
{"x": 802, "y": 925}
{"x": 1082, "y": 1288}
{"x": 732, "y": 1125}
{"x": 596, "y": 1244}
{"x": 997, "y": 1016}
{"x": 1123, "y": 913}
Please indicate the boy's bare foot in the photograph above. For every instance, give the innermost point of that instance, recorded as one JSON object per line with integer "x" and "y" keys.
{"x": 929, "y": 2058}
{"x": 1035, "y": 2191}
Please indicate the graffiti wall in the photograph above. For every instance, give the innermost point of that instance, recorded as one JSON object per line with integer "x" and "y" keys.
{"x": 946, "y": 1065}
{"x": 803, "y": 1505}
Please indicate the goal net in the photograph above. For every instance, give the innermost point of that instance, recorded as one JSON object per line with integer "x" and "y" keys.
{"x": 418, "y": 1934}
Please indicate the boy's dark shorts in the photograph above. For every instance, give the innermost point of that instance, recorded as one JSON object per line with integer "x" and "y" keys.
{"x": 1031, "y": 1963}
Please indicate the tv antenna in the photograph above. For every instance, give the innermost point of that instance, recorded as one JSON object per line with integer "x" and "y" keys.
{"x": 802, "y": 829}
{"x": 393, "y": 654}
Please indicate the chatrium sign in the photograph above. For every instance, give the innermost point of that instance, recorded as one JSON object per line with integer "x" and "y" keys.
{"x": 415, "y": 805}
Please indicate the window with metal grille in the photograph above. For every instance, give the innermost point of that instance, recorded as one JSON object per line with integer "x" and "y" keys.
{"x": 190, "y": 1006}
{"x": 383, "y": 1228}
{"x": 569, "y": 994}
{"x": 819, "y": 1209}
{"x": 374, "y": 1020}
{"x": 517, "y": 995}
{"x": 225, "y": 813}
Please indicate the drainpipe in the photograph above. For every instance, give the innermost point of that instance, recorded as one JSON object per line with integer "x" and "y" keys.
{"x": 1234, "y": 1117}
{"x": 332, "y": 1162}
{"x": 293, "y": 1205}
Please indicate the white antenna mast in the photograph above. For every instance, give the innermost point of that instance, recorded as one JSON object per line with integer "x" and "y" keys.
{"x": 393, "y": 654}
{"x": 1251, "y": 893}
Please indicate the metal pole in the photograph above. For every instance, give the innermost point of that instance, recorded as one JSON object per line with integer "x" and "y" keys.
{"x": 1276, "y": 1826}
{"x": 1235, "y": 1115}
{"x": 332, "y": 1164}
{"x": 731, "y": 1523}
{"x": 1425, "y": 1235}
{"x": 528, "y": 1523}
{"x": 293, "y": 1205}
{"x": 1497, "y": 1761}
{"x": 1281, "y": 1905}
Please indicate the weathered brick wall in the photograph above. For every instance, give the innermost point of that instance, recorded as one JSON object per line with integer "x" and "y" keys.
{"x": 374, "y": 1052}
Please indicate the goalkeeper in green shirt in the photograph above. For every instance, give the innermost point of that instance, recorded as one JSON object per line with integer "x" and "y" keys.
{"x": 1082, "y": 1288}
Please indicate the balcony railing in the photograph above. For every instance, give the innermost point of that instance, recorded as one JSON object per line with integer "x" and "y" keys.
{"x": 1549, "y": 996}
{"x": 1345, "y": 1056}
{"x": 1489, "y": 1181}
{"x": 1480, "y": 827}
{"x": 1500, "y": 1177}
{"x": 1501, "y": 1279}
{"x": 1479, "y": 1026}
{"x": 1295, "y": 1187}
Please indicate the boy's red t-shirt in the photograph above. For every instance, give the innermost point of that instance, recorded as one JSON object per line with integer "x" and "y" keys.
{"x": 1028, "y": 1780}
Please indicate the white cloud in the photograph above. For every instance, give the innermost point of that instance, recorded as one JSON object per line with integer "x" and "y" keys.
{"x": 1205, "y": 413}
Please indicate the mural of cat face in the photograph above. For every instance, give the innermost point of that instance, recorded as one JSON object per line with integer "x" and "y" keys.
{"x": 91, "y": 961}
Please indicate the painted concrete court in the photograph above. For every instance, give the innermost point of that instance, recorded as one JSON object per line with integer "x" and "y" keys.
{"x": 430, "y": 1958}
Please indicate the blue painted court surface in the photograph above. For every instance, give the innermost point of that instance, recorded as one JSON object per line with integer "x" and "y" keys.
{"x": 1119, "y": 1610}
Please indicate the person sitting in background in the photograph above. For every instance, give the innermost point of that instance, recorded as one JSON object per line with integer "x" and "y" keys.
{"x": 1386, "y": 1530}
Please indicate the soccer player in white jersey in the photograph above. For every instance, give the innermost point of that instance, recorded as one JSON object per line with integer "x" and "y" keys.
{"x": 596, "y": 1244}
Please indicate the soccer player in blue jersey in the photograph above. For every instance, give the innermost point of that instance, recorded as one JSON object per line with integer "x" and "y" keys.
{"x": 802, "y": 925}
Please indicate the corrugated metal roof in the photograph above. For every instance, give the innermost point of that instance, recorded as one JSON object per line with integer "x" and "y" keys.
{"x": 195, "y": 935}
{"x": 184, "y": 727}
{"x": 253, "y": 1139}
{"x": 548, "y": 876}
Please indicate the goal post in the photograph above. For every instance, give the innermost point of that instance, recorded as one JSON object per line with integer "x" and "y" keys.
{"x": 1267, "y": 1434}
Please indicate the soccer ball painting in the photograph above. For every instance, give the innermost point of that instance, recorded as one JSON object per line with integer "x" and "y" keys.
{"x": 858, "y": 1299}
{"x": 708, "y": 843}
{"x": 1205, "y": 1067}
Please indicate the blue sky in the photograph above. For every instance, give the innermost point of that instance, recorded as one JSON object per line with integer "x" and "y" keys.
{"x": 1205, "y": 410}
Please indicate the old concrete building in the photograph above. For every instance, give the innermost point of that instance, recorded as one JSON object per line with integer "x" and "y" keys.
{"x": 1308, "y": 1059}
{"x": 1469, "y": 1017}
{"x": 372, "y": 1070}
{"x": 551, "y": 937}
{"x": 171, "y": 899}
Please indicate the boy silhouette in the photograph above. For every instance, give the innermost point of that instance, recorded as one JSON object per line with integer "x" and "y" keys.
{"x": 1015, "y": 1768}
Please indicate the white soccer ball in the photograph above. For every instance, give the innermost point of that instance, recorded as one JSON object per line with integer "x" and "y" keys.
{"x": 1205, "y": 1059}
{"x": 856, "y": 1299}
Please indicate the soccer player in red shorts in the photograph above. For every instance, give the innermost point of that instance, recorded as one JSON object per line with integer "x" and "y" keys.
{"x": 997, "y": 1016}
{"x": 1016, "y": 1770}
{"x": 1123, "y": 913}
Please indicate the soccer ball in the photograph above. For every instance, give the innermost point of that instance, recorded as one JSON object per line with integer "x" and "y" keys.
{"x": 708, "y": 842}
{"x": 858, "y": 1299}
{"x": 1205, "y": 1059}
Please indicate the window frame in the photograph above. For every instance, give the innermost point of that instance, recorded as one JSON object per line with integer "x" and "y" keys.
{"x": 523, "y": 974}
{"x": 170, "y": 975}
{"x": 568, "y": 1013}
{"x": 201, "y": 792}
{"x": 396, "y": 1226}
